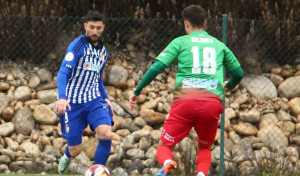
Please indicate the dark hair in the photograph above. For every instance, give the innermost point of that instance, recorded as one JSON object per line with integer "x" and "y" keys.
{"x": 195, "y": 14}
{"x": 93, "y": 16}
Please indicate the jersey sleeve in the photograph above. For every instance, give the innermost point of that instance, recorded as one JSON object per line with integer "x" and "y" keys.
{"x": 101, "y": 84}
{"x": 170, "y": 53}
{"x": 71, "y": 58}
{"x": 65, "y": 71}
{"x": 236, "y": 76}
{"x": 152, "y": 72}
{"x": 230, "y": 61}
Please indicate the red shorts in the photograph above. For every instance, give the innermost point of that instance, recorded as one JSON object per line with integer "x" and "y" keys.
{"x": 203, "y": 115}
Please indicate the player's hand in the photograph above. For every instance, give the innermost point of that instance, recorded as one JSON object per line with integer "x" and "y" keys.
{"x": 132, "y": 100}
{"x": 110, "y": 105}
{"x": 61, "y": 106}
{"x": 226, "y": 88}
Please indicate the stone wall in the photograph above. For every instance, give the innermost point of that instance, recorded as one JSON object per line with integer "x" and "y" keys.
{"x": 262, "y": 123}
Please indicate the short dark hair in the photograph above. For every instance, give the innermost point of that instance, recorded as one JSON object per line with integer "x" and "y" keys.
{"x": 195, "y": 14}
{"x": 93, "y": 16}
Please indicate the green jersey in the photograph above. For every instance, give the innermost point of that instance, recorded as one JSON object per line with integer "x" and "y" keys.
{"x": 201, "y": 58}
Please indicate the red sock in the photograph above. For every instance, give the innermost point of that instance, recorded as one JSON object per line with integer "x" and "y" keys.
{"x": 163, "y": 153}
{"x": 203, "y": 160}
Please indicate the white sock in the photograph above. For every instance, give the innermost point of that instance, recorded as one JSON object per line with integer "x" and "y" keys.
{"x": 66, "y": 156}
{"x": 200, "y": 174}
{"x": 167, "y": 161}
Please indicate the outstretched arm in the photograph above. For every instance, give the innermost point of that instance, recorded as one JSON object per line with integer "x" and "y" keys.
{"x": 236, "y": 76}
{"x": 101, "y": 85}
{"x": 103, "y": 91}
{"x": 62, "y": 77}
{"x": 64, "y": 74}
{"x": 153, "y": 71}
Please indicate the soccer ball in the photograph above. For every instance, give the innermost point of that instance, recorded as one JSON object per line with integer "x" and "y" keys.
{"x": 97, "y": 170}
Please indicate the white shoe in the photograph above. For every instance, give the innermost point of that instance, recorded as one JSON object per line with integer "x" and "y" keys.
{"x": 200, "y": 174}
{"x": 63, "y": 164}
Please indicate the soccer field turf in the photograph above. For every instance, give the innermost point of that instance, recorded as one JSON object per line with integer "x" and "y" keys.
{"x": 37, "y": 175}
{"x": 33, "y": 175}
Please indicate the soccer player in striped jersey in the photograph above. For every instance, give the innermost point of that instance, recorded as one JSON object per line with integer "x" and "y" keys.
{"x": 82, "y": 99}
{"x": 200, "y": 87}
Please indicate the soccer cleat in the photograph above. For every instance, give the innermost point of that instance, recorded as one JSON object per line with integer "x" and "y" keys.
{"x": 200, "y": 174}
{"x": 167, "y": 169}
{"x": 63, "y": 164}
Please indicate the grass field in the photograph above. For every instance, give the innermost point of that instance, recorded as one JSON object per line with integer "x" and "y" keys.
{"x": 33, "y": 175}
{"x": 264, "y": 174}
{"x": 261, "y": 174}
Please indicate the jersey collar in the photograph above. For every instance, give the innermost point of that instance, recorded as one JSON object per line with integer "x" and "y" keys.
{"x": 199, "y": 33}
{"x": 99, "y": 45}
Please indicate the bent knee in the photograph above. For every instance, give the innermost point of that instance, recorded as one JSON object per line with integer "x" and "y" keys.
{"x": 104, "y": 132}
{"x": 169, "y": 146}
{"x": 105, "y": 135}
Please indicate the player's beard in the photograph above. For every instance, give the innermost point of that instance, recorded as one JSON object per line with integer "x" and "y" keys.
{"x": 93, "y": 41}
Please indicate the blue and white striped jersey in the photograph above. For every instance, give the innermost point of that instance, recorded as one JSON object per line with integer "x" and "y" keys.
{"x": 79, "y": 79}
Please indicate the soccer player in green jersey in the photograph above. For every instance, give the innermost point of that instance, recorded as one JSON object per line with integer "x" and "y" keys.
{"x": 199, "y": 81}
